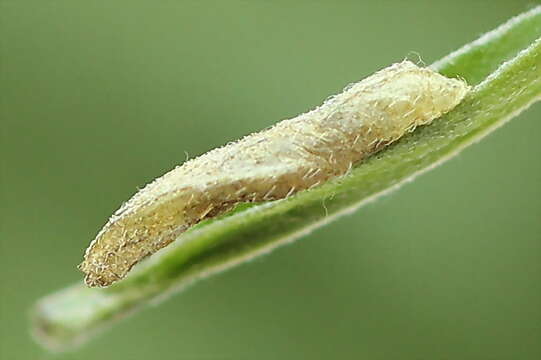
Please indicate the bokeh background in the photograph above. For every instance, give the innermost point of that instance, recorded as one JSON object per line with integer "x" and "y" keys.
{"x": 99, "y": 97}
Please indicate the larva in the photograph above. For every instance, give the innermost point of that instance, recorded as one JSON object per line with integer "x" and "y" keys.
{"x": 291, "y": 156}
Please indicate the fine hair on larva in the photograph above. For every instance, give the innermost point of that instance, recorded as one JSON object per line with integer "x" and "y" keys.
{"x": 292, "y": 156}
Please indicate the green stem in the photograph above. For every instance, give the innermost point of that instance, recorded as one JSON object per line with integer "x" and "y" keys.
{"x": 69, "y": 316}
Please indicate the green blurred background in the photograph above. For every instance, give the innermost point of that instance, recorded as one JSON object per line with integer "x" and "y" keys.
{"x": 99, "y": 97}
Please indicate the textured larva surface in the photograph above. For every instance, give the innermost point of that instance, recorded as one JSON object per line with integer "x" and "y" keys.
{"x": 294, "y": 155}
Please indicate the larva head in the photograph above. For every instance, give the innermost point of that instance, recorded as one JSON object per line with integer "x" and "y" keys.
{"x": 445, "y": 93}
{"x": 404, "y": 96}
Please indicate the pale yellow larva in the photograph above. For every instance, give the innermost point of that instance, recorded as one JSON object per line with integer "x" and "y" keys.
{"x": 292, "y": 156}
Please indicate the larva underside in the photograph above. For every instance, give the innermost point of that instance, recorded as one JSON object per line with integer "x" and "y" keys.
{"x": 293, "y": 155}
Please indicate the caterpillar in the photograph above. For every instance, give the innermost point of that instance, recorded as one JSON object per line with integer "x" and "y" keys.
{"x": 294, "y": 155}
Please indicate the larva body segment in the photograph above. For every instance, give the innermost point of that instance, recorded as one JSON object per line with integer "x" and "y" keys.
{"x": 293, "y": 155}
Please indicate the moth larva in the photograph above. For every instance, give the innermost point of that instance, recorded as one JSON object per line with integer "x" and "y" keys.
{"x": 291, "y": 156}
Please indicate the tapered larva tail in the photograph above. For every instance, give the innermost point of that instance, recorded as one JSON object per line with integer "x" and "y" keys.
{"x": 292, "y": 156}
